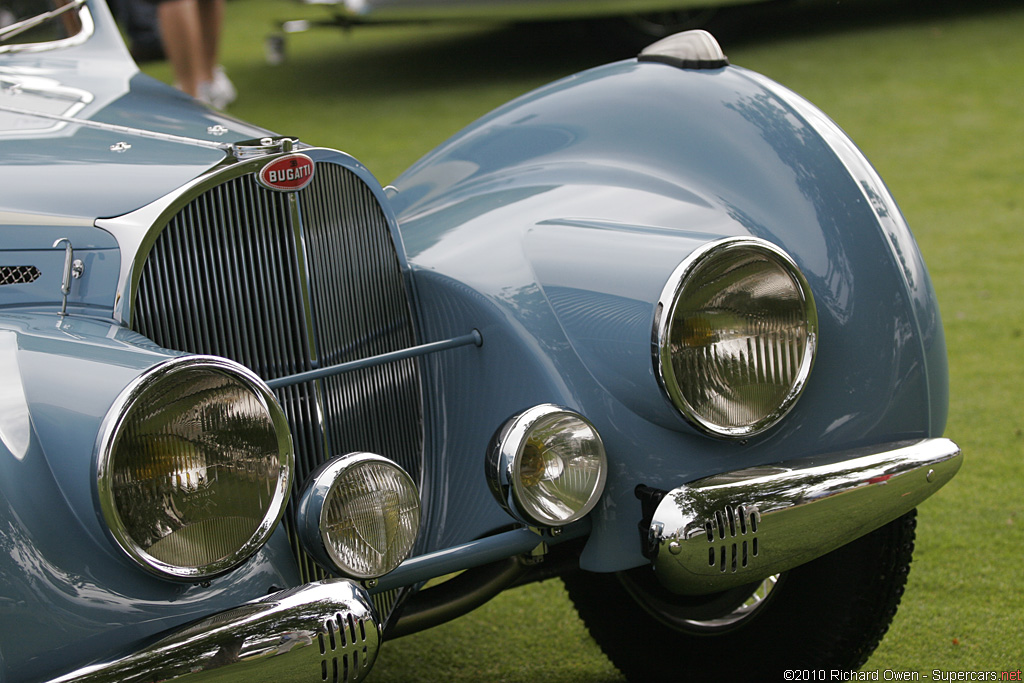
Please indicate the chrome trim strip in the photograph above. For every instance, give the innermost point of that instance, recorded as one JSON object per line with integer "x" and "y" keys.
{"x": 88, "y": 28}
{"x": 15, "y": 419}
{"x": 740, "y": 527}
{"x": 326, "y": 630}
{"x": 316, "y": 432}
{"x": 17, "y": 28}
{"x": 303, "y": 277}
{"x": 474, "y": 338}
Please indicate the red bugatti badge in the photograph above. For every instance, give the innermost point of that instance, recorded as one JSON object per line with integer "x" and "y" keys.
{"x": 287, "y": 174}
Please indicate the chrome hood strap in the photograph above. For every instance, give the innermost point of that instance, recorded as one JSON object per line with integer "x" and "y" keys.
{"x": 125, "y": 130}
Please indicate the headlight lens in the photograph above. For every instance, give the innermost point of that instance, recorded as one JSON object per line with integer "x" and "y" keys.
{"x": 547, "y": 466}
{"x": 736, "y": 336}
{"x": 359, "y": 515}
{"x": 194, "y": 467}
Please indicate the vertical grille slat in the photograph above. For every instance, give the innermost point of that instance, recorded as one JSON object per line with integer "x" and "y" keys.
{"x": 284, "y": 283}
{"x": 368, "y": 407}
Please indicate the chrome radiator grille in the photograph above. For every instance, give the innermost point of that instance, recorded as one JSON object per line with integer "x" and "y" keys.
{"x": 285, "y": 283}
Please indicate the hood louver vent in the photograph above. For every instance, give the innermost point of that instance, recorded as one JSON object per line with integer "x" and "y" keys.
{"x": 18, "y": 275}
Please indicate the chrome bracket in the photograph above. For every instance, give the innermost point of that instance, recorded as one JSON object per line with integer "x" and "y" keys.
{"x": 73, "y": 268}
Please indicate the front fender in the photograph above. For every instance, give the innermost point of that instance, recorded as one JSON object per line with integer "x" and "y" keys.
{"x": 592, "y": 190}
{"x": 67, "y": 595}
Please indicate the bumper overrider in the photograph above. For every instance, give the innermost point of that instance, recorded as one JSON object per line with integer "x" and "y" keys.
{"x": 322, "y": 631}
{"x": 740, "y": 527}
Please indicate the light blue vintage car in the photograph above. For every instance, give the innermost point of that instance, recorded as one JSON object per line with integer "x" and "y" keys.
{"x": 658, "y": 329}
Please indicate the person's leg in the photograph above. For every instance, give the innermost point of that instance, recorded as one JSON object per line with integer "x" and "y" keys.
{"x": 217, "y": 91}
{"x": 211, "y": 20}
{"x": 182, "y": 36}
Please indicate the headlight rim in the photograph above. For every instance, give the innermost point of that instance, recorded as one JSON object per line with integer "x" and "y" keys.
{"x": 312, "y": 509}
{"x": 665, "y": 312}
{"x": 110, "y": 430}
{"x": 505, "y": 451}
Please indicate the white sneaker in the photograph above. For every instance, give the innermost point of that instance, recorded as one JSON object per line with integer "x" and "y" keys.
{"x": 218, "y": 93}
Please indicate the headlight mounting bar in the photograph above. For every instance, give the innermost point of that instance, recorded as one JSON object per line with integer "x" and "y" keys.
{"x": 473, "y": 338}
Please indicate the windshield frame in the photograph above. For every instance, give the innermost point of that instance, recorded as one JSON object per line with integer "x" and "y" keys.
{"x": 88, "y": 27}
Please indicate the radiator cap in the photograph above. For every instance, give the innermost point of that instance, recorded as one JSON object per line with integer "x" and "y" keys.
{"x": 695, "y": 49}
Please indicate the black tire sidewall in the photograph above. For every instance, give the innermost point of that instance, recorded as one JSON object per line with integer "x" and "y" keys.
{"x": 830, "y": 613}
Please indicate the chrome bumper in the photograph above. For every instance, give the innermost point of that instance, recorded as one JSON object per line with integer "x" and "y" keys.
{"x": 323, "y": 631}
{"x": 740, "y": 527}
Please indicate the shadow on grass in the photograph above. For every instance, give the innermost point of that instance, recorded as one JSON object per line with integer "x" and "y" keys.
{"x": 431, "y": 56}
{"x": 785, "y": 20}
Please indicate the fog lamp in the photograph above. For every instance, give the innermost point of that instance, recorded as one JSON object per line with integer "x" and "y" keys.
{"x": 359, "y": 515}
{"x": 193, "y": 468}
{"x": 736, "y": 335}
{"x": 547, "y": 466}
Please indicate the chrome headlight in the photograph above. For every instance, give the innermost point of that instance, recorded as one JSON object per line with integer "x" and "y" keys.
{"x": 194, "y": 467}
{"x": 547, "y": 466}
{"x": 359, "y": 515}
{"x": 735, "y": 336}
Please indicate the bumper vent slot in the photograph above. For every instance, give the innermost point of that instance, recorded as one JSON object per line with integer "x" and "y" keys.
{"x": 344, "y": 649}
{"x": 286, "y": 283}
{"x": 731, "y": 534}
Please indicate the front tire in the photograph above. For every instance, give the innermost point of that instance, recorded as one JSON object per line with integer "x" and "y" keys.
{"x": 829, "y": 613}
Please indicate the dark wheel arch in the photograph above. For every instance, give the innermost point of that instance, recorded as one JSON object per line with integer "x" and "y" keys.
{"x": 829, "y": 613}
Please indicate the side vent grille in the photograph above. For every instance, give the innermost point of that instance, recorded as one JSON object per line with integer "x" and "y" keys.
{"x": 18, "y": 275}
{"x": 732, "y": 535}
{"x": 344, "y": 652}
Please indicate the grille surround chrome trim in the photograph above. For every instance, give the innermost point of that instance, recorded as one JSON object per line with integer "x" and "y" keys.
{"x": 342, "y": 214}
{"x": 87, "y": 30}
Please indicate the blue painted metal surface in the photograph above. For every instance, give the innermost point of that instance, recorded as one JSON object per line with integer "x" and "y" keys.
{"x": 95, "y": 182}
{"x": 551, "y": 226}
{"x": 66, "y": 594}
{"x": 593, "y": 190}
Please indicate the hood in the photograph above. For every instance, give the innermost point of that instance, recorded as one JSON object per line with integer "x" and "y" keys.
{"x": 74, "y": 144}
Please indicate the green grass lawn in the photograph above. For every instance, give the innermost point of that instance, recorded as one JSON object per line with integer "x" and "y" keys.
{"x": 931, "y": 91}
